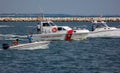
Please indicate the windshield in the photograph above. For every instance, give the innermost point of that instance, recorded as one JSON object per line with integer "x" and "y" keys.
{"x": 60, "y": 29}
{"x": 96, "y": 24}
{"x": 100, "y": 25}
{"x": 52, "y": 24}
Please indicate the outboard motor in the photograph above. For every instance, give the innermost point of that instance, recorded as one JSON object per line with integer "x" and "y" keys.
{"x": 5, "y": 46}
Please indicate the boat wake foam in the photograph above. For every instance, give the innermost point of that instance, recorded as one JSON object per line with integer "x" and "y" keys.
{"x": 2, "y": 26}
{"x": 11, "y": 36}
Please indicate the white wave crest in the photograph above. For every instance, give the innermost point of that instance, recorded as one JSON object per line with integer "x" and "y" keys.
{"x": 2, "y": 26}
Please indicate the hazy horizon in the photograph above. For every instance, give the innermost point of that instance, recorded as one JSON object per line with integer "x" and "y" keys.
{"x": 73, "y": 7}
{"x": 47, "y": 14}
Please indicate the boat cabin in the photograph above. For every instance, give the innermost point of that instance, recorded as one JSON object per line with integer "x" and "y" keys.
{"x": 46, "y": 27}
{"x": 96, "y": 24}
{"x": 64, "y": 28}
{"x": 47, "y": 24}
{"x": 50, "y": 27}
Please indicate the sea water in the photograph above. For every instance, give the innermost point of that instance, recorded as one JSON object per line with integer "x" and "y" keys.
{"x": 93, "y": 55}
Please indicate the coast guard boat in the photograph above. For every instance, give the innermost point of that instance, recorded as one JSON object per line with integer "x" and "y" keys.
{"x": 101, "y": 29}
{"x": 47, "y": 30}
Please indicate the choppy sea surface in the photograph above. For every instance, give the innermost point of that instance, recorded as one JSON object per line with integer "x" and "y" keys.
{"x": 93, "y": 55}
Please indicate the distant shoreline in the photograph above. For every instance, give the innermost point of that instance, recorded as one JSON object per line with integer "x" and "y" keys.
{"x": 51, "y": 15}
{"x": 59, "y": 19}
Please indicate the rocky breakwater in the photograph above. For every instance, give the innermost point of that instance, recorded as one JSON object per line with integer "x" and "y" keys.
{"x": 60, "y": 19}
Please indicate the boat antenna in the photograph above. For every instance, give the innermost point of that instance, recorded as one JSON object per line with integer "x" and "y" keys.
{"x": 42, "y": 16}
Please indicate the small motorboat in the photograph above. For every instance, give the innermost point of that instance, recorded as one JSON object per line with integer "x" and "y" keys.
{"x": 101, "y": 29}
{"x": 33, "y": 45}
{"x": 49, "y": 31}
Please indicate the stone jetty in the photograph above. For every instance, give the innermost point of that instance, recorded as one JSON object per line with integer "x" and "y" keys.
{"x": 60, "y": 19}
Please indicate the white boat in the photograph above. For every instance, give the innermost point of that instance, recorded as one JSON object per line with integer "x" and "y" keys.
{"x": 30, "y": 46}
{"x": 101, "y": 29}
{"x": 49, "y": 31}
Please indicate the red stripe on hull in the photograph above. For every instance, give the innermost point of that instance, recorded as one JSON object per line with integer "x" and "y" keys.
{"x": 69, "y": 35}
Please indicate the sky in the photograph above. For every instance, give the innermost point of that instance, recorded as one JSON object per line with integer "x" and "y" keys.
{"x": 74, "y": 7}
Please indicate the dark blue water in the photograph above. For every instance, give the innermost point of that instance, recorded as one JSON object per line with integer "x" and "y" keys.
{"x": 93, "y": 55}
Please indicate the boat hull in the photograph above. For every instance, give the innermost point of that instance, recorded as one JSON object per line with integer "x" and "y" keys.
{"x": 80, "y": 34}
{"x": 34, "y": 45}
{"x": 50, "y": 36}
{"x": 105, "y": 33}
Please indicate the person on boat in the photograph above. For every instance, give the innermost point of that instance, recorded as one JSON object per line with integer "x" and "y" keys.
{"x": 38, "y": 28}
{"x": 30, "y": 38}
{"x": 16, "y": 42}
{"x": 94, "y": 25}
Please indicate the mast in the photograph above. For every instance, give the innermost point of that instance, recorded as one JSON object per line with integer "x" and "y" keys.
{"x": 42, "y": 20}
{"x": 42, "y": 15}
